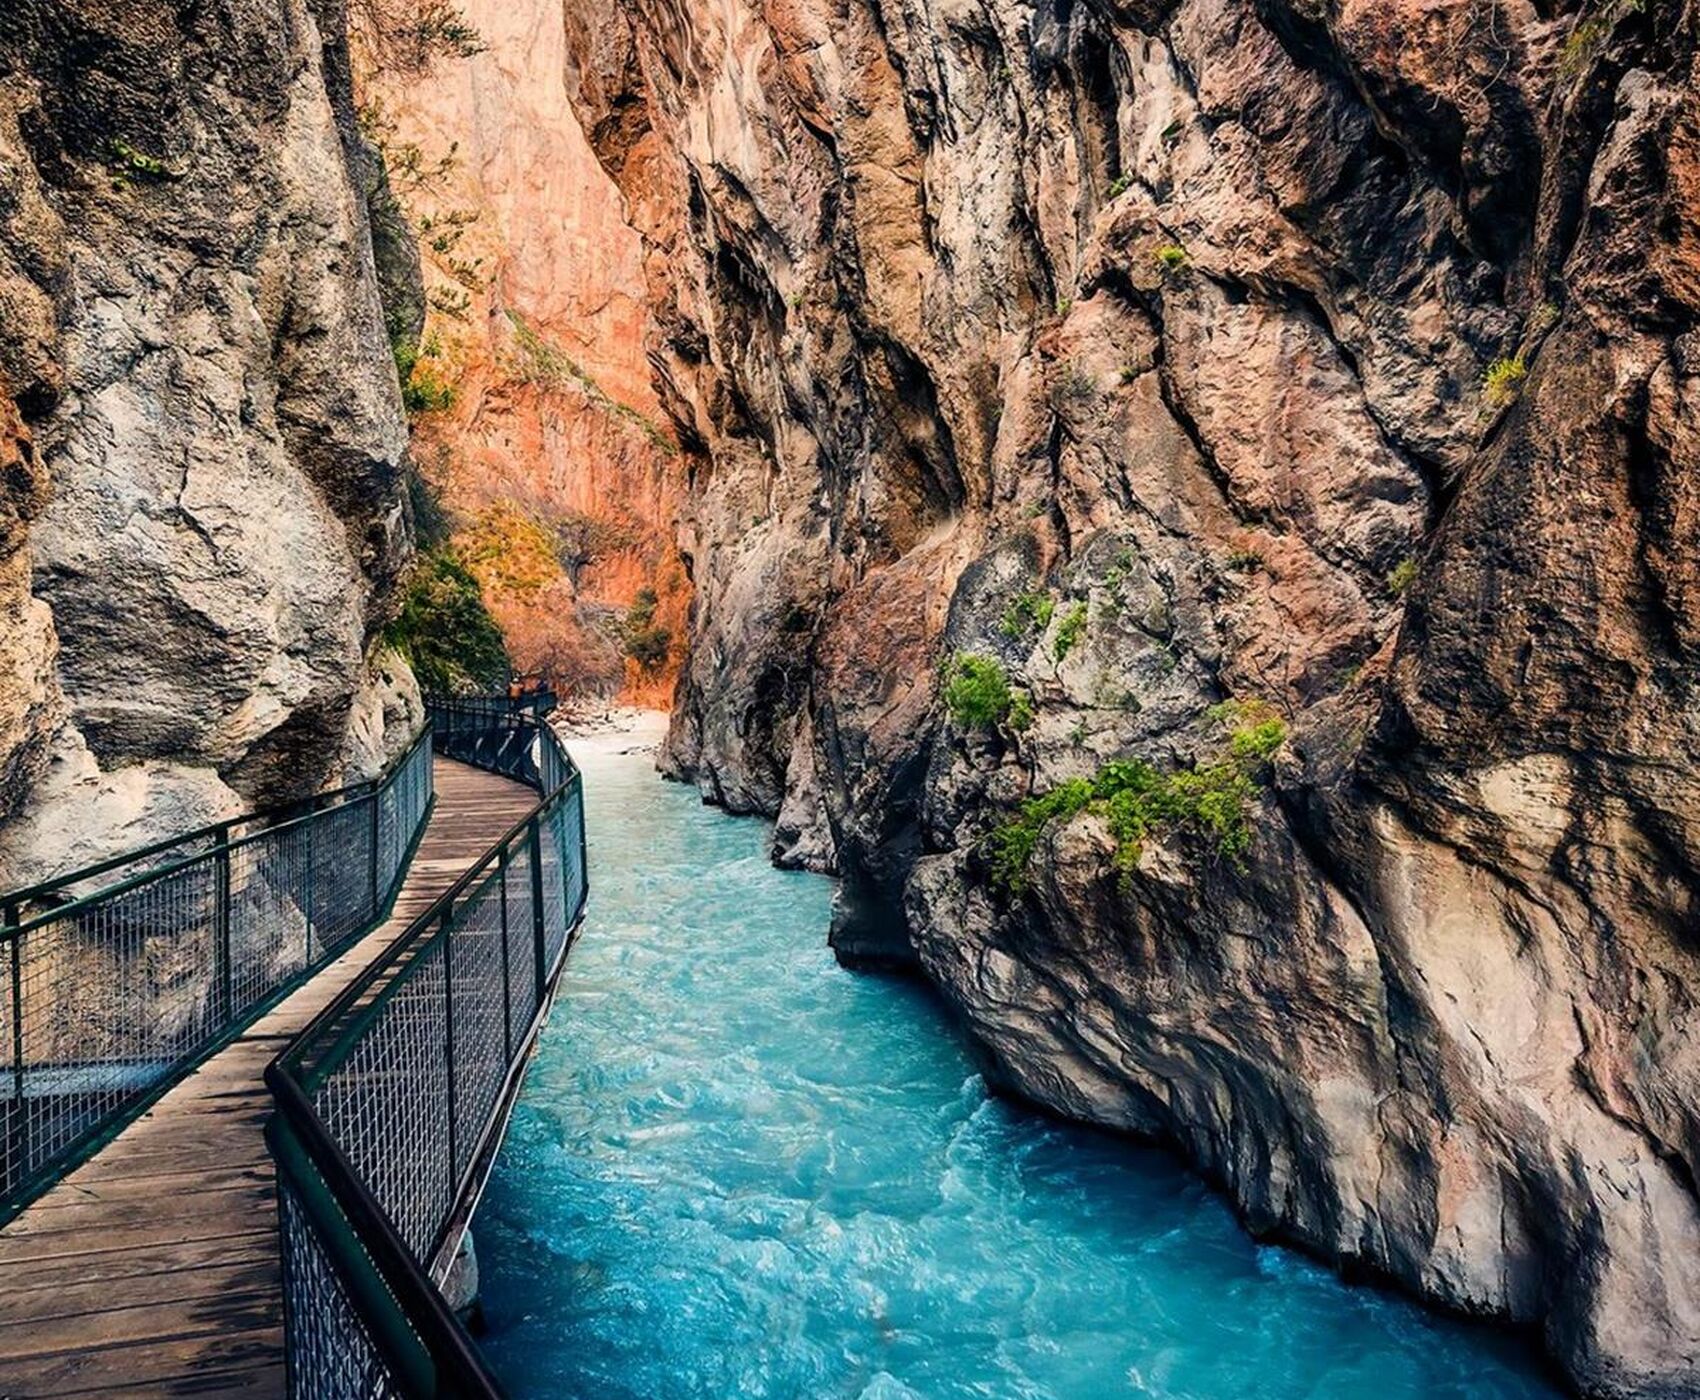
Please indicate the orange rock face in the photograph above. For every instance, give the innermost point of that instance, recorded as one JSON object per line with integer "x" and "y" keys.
{"x": 549, "y": 444}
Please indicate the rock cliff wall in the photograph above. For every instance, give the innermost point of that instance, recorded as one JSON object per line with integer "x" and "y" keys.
{"x": 1337, "y": 358}
{"x": 201, "y": 438}
{"x": 551, "y": 452}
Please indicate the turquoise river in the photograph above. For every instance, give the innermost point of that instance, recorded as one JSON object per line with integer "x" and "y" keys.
{"x": 739, "y": 1171}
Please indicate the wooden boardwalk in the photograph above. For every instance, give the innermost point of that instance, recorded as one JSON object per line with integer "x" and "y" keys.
{"x": 152, "y": 1269}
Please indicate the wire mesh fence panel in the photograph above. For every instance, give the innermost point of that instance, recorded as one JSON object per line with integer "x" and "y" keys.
{"x": 554, "y": 888}
{"x": 386, "y": 1103}
{"x": 269, "y": 945}
{"x": 342, "y": 875}
{"x": 478, "y": 1050}
{"x": 107, "y": 997}
{"x": 569, "y": 838}
{"x": 391, "y": 837}
{"x": 404, "y": 1078}
{"x": 328, "y": 1342}
{"x": 11, "y": 1082}
{"x": 113, "y": 997}
{"x": 522, "y": 946}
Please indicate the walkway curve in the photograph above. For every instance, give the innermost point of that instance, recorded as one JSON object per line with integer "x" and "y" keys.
{"x": 153, "y": 1268}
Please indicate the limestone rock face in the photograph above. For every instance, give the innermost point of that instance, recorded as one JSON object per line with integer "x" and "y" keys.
{"x": 201, "y": 438}
{"x": 1337, "y": 356}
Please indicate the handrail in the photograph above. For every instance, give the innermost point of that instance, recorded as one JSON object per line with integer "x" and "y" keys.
{"x": 113, "y": 995}
{"x": 391, "y": 1104}
{"x": 271, "y": 817}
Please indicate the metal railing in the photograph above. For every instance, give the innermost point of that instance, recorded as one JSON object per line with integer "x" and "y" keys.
{"x": 121, "y": 976}
{"x": 391, "y": 1105}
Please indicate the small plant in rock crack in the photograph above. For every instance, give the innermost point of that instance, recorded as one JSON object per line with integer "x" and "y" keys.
{"x": 1026, "y": 613}
{"x": 1588, "y": 39}
{"x": 135, "y": 162}
{"x": 1213, "y": 800}
{"x": 1245, "y": 561}
{"x": 1064, "y": 306}
{"x": 1020, "y": 712}
{"x": 1069, "y": 631}
{"x": 1075, "y": 386}
{"x": 1402, "y": 576}
{"x": 1543, "y": 319}
{"x": 1171, "y": 257}
{"x": 1120, "y": 186}
{"x": 1503, "y": 382}
{"x": 1127, "y": 374}
{"x": 978, "y": 695}
{"x": 427, "y": 385}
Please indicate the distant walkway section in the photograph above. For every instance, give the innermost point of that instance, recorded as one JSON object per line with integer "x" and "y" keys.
{"x": 154, "y": 1267}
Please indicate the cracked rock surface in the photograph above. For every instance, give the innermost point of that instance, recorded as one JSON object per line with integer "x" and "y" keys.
{"x": 201, "y": 438}
{"x": 1335, "y": 354}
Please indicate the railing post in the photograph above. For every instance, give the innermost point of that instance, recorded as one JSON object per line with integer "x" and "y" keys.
{"x": 20, "y": 1119}
{"x": 536, "y": 843}
{"x": 221, "y": 917}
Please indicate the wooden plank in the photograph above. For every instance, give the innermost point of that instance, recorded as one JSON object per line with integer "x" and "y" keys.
{"x": 213, "y": 1258}
{"x": 158, "y": 1237}
{"x": 27, "y": 1309}
{"x": 152, "y": 1269}
{"x": 79, "y": 1216}
{"x": 195, "y": 1311}
{"x": 191, "y": 1364}
{"x": 122, "y": 1181}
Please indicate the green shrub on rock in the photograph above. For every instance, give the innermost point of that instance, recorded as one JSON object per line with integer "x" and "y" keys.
{"x": 1010, "y": 846}
{"x": 1213, "y": 800}
{"x": 1503, "y": 381}
{"x": 444, "y": 630}
{"x": 1402, "y": 576}
{"x": 645, "y": 643}
{"x": 1027, "y": 612}
{"x": 977, "y": 694}
{"x": 1069, "y": 631}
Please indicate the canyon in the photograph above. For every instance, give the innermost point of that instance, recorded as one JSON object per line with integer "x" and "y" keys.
{"x": 1331, "y": 360}
{"x": 535, "y": 421}
{"x": 1187, "y": 508}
